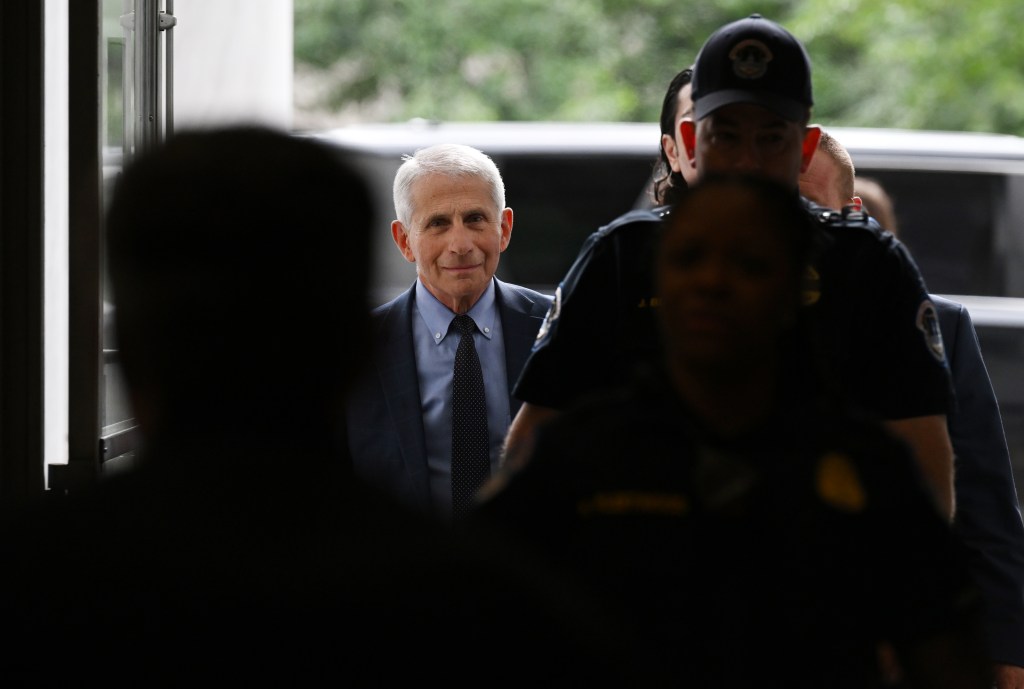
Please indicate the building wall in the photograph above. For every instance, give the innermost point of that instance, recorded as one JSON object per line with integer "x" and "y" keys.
{"x": 233, "y": 62}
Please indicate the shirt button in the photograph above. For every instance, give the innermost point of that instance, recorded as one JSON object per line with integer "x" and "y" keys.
{"x": 487, "y": 330}
{"x": 437, "y": 336}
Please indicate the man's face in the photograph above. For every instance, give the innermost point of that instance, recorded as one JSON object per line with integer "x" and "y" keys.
{"x": 455, "y": 237}
{"x": 750, "y": 139}
{"x": 725, "y": 283}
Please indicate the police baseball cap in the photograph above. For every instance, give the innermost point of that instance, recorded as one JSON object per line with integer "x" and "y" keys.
{"x": 753, "y": 60}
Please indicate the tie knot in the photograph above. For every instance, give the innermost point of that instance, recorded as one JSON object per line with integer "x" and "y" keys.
{"x": 464, "y": 324}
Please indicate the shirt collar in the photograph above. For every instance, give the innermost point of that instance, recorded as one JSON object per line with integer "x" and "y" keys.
{"x": 438, "y": 317}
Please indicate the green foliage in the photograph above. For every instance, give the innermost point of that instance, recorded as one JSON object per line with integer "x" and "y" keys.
{"x": 917, "y": 64}
{"x": 908, "y": 63}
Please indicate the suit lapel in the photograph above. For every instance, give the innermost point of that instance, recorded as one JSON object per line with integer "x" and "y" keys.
{"x": 397, "y": 368}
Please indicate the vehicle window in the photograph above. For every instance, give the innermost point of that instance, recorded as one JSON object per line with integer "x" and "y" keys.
{"x": 558, "y": 202}
{"x": 948, "y": 221}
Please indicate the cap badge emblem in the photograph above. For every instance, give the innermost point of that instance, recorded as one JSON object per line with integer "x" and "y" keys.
{"x": 750, "y": 59}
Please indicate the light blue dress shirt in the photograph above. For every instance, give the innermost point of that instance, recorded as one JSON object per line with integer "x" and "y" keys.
{"x": 435, "y": 359}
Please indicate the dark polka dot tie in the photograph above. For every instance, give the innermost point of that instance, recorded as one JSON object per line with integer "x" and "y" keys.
{"x": 471, "y": 463}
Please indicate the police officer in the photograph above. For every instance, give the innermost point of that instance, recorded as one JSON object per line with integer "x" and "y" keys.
{"x": 753, "y": 531}
{"x": 752, "y": 102}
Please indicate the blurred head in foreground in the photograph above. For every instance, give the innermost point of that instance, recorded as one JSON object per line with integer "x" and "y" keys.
{"x": 239, "y": 262}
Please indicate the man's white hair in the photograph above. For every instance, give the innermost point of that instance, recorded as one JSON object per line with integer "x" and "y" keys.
{"x": 454, "y": 160}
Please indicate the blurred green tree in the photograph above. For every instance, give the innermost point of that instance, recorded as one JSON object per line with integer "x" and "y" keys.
{"x": 912, "y": 63}
{"x": 918, "y": 64}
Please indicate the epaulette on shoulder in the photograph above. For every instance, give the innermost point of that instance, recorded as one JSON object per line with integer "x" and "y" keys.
{"x": 642, "y": 216}
{"x": 849, "y": 216}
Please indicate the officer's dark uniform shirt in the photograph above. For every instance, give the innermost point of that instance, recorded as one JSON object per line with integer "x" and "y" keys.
{"x": 779, "y": 559}
{"x": 870, "y": 310}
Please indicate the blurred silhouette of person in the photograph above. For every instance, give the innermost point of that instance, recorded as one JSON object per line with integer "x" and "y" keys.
{"x": 754, "y": 534}
{"x": 452, "y": 223}
{"x": 877, "y": 202}
{"x": 241, "y": 550}
{"x": 987, "y": 517}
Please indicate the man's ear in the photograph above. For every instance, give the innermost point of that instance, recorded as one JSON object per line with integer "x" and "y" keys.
{"x": 688, "y": 134}
{"x": 506, "y": 228}
{"x": 401, "y": 238}
{"x": 811, "y": 135}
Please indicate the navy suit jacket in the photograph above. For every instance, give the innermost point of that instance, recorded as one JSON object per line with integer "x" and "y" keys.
{"x": 987, "y": 513}
{"x": 386, "y": 438}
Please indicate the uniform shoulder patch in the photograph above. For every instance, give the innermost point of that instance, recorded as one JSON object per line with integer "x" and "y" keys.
{"x": 551, "y": 316}
{"x": 928, "y": 323}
